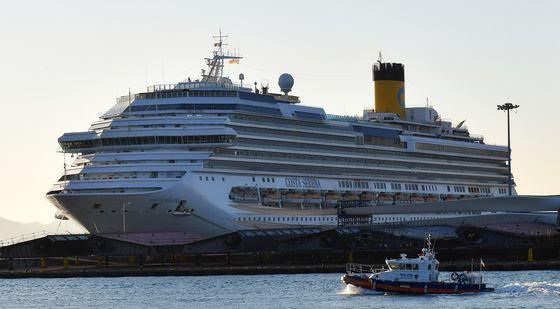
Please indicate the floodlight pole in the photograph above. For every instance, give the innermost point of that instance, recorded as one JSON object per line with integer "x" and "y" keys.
{"x": 507, "y": 107}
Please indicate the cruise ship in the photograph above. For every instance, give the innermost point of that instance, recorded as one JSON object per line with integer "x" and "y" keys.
{"x": 210, "y": 156}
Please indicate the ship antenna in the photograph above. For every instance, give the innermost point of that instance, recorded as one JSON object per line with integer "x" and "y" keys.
{"x": 216, "y": 63}
{"x": 429, "y": 242}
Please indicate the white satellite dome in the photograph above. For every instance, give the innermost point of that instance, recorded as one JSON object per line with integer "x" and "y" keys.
{"x": 286, "y": 82}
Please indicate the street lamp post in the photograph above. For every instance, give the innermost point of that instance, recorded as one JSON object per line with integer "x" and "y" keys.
{"x": 507, "y": 107}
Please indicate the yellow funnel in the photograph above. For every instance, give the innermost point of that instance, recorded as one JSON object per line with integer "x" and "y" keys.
{"x": 388, "y": 82}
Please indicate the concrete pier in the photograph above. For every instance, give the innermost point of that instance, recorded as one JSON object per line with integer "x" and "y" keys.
{"x": 504, "y": 245}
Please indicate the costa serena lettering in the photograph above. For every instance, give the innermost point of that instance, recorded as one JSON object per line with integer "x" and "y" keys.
{"x": 294, "y": 182}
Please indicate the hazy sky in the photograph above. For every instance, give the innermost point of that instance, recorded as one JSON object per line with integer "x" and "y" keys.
{"x": 62, "y": 63}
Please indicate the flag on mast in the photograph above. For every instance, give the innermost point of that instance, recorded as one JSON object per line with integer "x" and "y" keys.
{"x": 482, "y": 263}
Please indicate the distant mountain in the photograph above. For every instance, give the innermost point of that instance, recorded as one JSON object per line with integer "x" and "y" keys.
{"x": 17, "y": 230}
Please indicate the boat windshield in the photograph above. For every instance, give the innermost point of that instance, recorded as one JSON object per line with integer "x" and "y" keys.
{"x": 403, "y": 266}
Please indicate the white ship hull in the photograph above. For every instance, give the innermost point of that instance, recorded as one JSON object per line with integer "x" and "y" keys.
{"x": 209, "y": 209}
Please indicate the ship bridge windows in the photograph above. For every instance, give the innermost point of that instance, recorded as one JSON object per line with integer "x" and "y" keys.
{"x": 379, "y": 185}
{"x": 206, "y": 107}
{"x": 187, "y": 107}
{"x": 183, "y": 93}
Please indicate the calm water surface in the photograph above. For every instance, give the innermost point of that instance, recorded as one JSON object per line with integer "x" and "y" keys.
{"x": 535, "y": 289}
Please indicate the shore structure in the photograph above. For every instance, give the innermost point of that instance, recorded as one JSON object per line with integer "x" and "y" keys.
{"x": 509, "y": 242}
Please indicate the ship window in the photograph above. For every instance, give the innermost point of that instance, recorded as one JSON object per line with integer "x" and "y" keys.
{"x": 212, "y": 178}
{"x": 272, "y": 179}
{"x": 223, "y": 179}
{"x": 415, "y": 267}
{"x": 154, "y": 205}
{"x": 429, "y": 266}
{"x": 263, "y": 179}
{"x": 253, "y": 179}
{"x": 206, "y": 178}
{"x": 96, "y": 206}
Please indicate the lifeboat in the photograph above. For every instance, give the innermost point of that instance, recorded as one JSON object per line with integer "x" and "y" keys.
{"x": 293, "y": 198}
{"x": 431, "y": 198}
{"x": 312, "y": 198}
{"x": 402, "y": 198}
{"x": 417, "y": 198}
{"x": 366, "y": 196}
{"x": 350, "y": 197}
{"x": 448, "y": 198}
{"x": 271, "y": 198}
{"x": 243, "y": 194}
{"x": 331, "y": 198}
{"x": 385, "y": 198}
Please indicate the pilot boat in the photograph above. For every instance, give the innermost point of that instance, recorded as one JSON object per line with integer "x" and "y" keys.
{"x": 418, "y": 275}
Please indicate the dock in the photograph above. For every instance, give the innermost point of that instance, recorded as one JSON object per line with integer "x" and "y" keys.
{"x": 506, "y": 242}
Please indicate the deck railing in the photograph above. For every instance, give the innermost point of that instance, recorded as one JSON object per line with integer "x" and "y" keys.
{"x": 195, "y": 85}
{"x": 361, "y": 269}
{"x": 21, "y": 238}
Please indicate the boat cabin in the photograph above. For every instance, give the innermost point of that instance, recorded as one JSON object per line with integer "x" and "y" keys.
{"x": 424, "y": 268}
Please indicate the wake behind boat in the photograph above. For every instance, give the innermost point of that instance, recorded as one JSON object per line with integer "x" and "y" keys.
{"x": 414, "y": 276}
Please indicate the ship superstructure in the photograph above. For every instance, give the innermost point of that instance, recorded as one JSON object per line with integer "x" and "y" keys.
{"x": 210, "y": 156}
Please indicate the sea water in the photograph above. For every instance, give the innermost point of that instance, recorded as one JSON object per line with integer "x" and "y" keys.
{"x": 520, "y": 289}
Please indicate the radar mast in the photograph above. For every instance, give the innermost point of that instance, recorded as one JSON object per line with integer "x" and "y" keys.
{"x": 216, "y": 63}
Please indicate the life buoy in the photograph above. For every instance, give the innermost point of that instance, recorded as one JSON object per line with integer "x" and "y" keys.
{"x": 454, "y": 276}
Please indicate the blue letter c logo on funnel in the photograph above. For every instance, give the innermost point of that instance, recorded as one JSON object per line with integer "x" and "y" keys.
{"x": 400, "y": 96}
